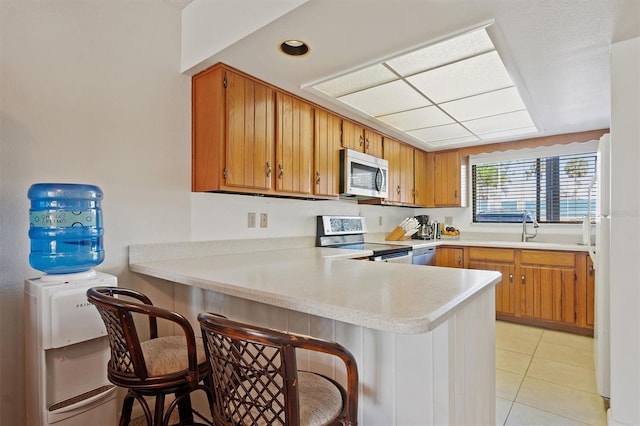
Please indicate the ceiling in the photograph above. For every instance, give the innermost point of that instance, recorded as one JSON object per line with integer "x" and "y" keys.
{"x": 556, "y": 51}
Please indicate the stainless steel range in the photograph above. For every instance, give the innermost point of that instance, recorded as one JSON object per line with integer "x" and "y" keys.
{"x": 347, "y": 232}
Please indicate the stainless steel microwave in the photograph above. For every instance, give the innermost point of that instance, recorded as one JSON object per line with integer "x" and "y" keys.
{"x": 363, "y": 175}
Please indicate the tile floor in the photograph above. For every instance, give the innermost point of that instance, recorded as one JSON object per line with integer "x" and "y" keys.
{"x": 545, "y": 377}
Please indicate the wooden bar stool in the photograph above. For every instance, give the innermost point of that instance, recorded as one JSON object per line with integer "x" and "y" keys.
{"x": 257, "y": 382}
{"x": 156, "y": 367}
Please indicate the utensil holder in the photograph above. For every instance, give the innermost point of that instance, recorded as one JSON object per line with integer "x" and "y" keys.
{"x": 396, "y": 235}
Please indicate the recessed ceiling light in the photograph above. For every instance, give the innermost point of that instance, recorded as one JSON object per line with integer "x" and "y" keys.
{"x": 294, "y": 47}
{"x": 448, "y": 92}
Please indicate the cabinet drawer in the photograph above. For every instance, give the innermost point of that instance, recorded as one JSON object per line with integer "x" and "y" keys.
{"x": 547, "y": 258}
{"x": 496, "y": 255}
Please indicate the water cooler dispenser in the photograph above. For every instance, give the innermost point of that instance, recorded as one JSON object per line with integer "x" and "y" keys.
{"x": 67, "y": 353}
{"x": 66, "y": 343}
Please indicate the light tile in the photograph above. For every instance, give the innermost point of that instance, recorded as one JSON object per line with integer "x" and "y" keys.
{"x": 566, "y": 354}
{"x": 507, "y": 384}
{"x": 563, "y": 374}
{"x": 514, "y": 362}
{"x": 523, "y": 415}
{"x": 516, "y": 337}
{"x": 503, "y": 407}
{"x": 567, "y": 339}
{"x": 585, "y": 407}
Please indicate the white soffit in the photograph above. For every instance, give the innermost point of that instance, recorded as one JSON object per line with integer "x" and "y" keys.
{"x": 444, "y": 94}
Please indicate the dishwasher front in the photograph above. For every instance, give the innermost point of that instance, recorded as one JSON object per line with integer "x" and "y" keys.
{"x": 424, "y": 256}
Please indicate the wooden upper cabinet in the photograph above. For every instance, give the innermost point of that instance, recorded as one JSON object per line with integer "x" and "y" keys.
{"x": 249, "y": 133}
{"x": 327, "y": 153}
{"x": 359, "y": 138}
{"x": 233, "y": 132}
{"x": 446, "y": 179}
{"x": 394, "y": 178}
{"x": 407, "y": 184}
{"x": 373, "y": 143}
{"x": 421, "y": 179}
{"x": 294, "y": 145}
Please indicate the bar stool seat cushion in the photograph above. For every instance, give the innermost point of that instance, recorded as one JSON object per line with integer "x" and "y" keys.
{"x": 320, "y": 400}
{"x": 167, "y": 355}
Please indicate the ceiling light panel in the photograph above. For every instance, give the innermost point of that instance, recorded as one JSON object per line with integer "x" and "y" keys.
{"x": 386, "y": 98}
{"x": 446, "y": 52}
{"x": 447, "y": 93}
{"x": 470, "y": 77}
{"x": 417, "y": 118}
{"x": 358, "y": 80}
{"x": 485, "y": 105}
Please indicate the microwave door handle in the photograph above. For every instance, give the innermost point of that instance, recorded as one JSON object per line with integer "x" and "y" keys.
{"x": 378, "y": 180}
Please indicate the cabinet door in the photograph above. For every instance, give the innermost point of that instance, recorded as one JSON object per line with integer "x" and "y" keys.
{"x": 393, "y": 156}
{"x": 549, "y": 293}
{"x": 407, "y": 187}
{"x": 505, "y": 289}
{"x": 353, "y": 136}
{"x": 373, "y": 143}
{"x": 327, "y": 153}
{"x": 452, "y": 257}
{"x": 447, "y": 189}
{"x": 294, "y": 145}
{"x": 249, "y": 133}
{"x": 421, "y": 176}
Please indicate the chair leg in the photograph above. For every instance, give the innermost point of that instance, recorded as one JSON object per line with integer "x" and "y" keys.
{"x": 127, "y": 405}
{"x": 159, "y": 410}
{"x": 185, "y": 410}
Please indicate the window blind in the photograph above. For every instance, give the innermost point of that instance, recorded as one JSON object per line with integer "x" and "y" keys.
{"x": 553, "y": 189}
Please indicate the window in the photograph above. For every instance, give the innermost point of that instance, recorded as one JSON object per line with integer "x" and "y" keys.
{"x": 554, "y": 189}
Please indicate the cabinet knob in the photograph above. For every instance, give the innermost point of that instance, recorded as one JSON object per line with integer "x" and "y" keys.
{"x": 510, "y": 278}
{"x": 361, "y": 140}
{"x": 281, "y": 173}
{"x": 368, "y": 144}
{"x": 317, "y": 178}
{"x": 398, "y": 189}
{"x": 522, "y": 278}
{"x": 268, "y": 169}
{"x": 459, "y": 261}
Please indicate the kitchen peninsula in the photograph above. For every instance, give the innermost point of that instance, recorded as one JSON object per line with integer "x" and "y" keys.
{"x": 423, "y": 337}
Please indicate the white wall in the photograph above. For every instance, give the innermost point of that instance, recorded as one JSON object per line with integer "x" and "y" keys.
{"x": 625, "y": 233}
{"x": 90, "y": 92}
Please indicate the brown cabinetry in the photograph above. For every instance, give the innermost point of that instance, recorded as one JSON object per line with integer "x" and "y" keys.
{"x": 421, "y": 178}
{"x": 327, "y": 153}
{"x": 294, "y": 145}
{"x": 360, "y": 138}
{"x": 401, "y": 172}
{"x": 233, "y": 132}
{"x": 445, "y": 179}
{"x": 503, "y": 261}
{"x": 452, "y": 257}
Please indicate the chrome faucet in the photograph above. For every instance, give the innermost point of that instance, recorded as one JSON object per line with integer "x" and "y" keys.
{"x": 526, "y": 237}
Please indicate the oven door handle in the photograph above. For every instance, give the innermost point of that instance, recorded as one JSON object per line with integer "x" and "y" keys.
{"x": 379, "y": 180}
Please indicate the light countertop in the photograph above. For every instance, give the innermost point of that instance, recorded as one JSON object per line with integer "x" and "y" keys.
{"x": 401, "y": 298}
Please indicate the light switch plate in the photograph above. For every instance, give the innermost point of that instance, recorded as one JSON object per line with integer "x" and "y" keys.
{"x": 251, "y": 220}
{"x": 263, "y": 220}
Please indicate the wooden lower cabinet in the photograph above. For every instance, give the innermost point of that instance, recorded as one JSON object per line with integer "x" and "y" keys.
{"x": 551, "y": 289}
{"x": 451, "y": 257}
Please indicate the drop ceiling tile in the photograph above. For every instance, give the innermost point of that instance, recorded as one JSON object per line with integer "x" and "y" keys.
{"x": 453, "y": 141}
{"x": 479, "y": 74}
{"x": 358, "y": 80}
{"x": 510, "y": 132}
{"x": 445, "y": 52}
{"x": 417, "y": 119}
{"x": 448, "y": 131}
{"x": 498, "y": 123}
{"x": 485, "y": 105}
{"x": 385, "y": 99}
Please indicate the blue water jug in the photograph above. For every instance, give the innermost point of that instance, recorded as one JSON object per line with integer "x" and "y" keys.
{"x": 65, "y": 227}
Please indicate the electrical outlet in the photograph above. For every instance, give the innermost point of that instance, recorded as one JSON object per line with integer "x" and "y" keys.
{"x": 251, "y": 220}
{"x": 379, "y": 220}
{"x": 263, "y": 220}
{"x": 448, "y": 220}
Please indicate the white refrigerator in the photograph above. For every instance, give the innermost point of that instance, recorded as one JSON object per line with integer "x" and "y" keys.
{"x": 601, "y": 261}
